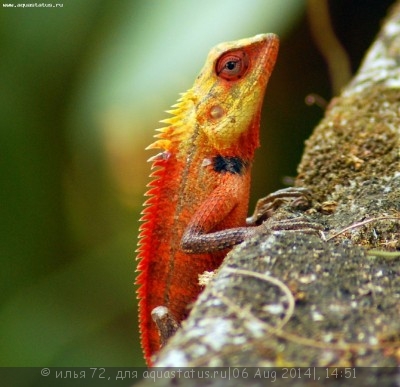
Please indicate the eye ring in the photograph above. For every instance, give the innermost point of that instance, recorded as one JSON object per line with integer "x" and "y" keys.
{"x": 232, "y": 65}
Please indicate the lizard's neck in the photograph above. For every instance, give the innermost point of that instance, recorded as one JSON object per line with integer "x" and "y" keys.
{"x": 247, "y": 143}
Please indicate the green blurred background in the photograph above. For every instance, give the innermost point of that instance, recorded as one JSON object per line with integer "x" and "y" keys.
{"x": 81, "y": 89}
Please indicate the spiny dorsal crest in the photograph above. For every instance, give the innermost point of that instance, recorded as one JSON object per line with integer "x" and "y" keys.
{"x": 180, "y": 125}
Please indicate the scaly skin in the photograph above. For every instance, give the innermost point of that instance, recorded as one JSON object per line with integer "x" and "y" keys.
{"x": 200, "y": 189}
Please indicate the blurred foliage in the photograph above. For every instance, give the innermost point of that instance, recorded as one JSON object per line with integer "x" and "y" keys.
{"x": 81, "y": 90}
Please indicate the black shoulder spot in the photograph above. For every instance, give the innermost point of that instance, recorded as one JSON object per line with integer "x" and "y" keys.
{"x": 234, "y": 165}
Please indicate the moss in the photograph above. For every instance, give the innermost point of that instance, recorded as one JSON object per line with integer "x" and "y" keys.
{"x": 357, "y": 140}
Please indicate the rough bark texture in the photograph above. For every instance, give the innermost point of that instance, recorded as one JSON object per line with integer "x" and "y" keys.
{"x": 295, "y": 299}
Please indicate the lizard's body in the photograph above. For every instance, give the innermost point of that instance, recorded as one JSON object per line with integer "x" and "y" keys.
{"x": 199, "y": 195}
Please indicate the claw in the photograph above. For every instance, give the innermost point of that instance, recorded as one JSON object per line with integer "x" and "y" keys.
{"x": 299, "y": 197}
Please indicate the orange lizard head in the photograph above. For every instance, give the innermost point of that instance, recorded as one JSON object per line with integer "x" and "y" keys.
{"x": 228, "y": 93}
{"x": 222, "y": 109}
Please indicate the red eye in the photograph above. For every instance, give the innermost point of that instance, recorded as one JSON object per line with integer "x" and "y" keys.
{"x": 232, "y": 65}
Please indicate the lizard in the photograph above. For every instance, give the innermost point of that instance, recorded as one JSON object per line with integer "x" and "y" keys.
{"x": 199, "y": 192}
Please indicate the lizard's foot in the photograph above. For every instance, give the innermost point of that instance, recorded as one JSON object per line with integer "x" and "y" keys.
{"x": 166, "y": 323}
{"x": 300, "y": 198}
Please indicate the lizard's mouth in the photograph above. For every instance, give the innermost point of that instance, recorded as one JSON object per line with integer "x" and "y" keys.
{"x": 264, "y": 64}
